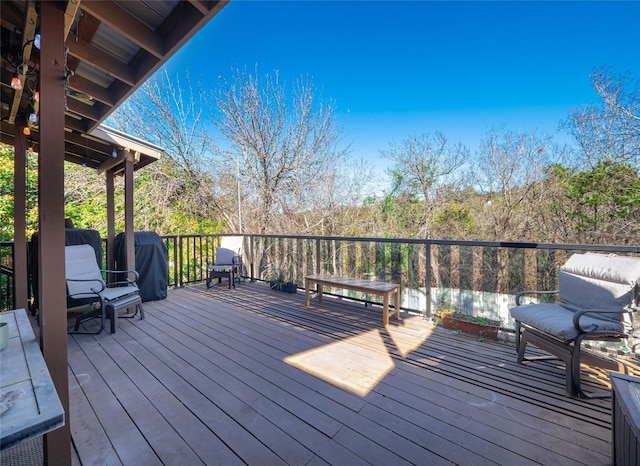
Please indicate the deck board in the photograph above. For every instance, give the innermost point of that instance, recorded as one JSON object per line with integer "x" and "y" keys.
{"x": 251, "y": 376}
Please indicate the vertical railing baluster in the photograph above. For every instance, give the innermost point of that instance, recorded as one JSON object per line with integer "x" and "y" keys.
{"x": 428, "y": 279}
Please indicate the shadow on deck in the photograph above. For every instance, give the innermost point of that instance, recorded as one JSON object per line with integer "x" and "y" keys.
{"x": 251, "y": 376}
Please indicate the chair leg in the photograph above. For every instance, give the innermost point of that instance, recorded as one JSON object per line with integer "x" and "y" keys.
{"x": 86, "y": 316}
{"x": 521, "y": 344}
{"x": 113, "y": 318}
{"x": 139, "y": 308}
{"x": 575, "y": 368}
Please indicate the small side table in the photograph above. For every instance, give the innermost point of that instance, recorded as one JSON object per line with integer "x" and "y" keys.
{"x": 29, "y": 402}
{"x": 625, "y": 419}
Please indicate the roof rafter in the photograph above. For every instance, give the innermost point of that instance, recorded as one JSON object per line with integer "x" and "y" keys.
{"x": 102, "y": 61}
{"x": 91, "y": 90}
{"x": 121, "y": 21}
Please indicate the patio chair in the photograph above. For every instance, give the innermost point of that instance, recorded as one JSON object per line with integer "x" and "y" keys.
{"x": 86, "y": 286}
{"x": 598, "y": 296}
{"x": 228, "y": 261}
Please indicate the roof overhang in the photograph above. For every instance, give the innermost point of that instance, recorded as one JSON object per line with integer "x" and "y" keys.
{"x": 113, "y": 47}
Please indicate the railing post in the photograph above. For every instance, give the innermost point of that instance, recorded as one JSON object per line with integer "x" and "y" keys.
{"x": 181, "y": 252}
{"x": 175, "y": 261}
{"x": 252, "y": 261}
{"x": 317, "y": 255}
{"x": 428, "y": 280}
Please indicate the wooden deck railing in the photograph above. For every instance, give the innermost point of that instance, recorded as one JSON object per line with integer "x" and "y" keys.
{"x": 477, "y": 277}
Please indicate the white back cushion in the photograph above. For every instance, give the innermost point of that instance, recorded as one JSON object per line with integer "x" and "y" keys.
{"x": 80, "y": 263}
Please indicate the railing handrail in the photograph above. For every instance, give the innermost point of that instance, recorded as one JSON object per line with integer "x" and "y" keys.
{"x": 189, "y": 254}
{"x": 452, "y": 242}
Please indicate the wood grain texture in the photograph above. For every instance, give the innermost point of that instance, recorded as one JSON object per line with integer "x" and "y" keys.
{"x": 205, "y": 379}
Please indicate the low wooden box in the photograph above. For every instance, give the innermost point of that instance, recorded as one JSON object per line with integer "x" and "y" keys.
{"x": 625, "y": 419}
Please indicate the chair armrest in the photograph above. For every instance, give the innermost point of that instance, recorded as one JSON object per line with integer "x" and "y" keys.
{"x": 520, "y": 294}
{"x": 136, "y": 276}
{"x": 599, "y": 313}
{"x": 96, "y": 291}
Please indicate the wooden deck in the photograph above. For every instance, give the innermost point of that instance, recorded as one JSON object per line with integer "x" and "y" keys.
{"x": 251, "y": 376}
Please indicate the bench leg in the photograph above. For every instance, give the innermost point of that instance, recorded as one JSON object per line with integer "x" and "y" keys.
{"x": 385, "y": 308}
{"x": 307, "y": 289}
{"x": 397, "y": 303}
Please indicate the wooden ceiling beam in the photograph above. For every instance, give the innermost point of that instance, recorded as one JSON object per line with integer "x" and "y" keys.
{"x": 200, "y": 6}
{"x": 113, "y": 161}
{"x": 92, "y": 112}
{"x": 89, "y": 142}
{"x": 104, "y": 62}
{"x": 91, "y": 90}
{"x": 70, "y": 15}
{"x": 74, "y": 123}
{"x": 185, "y": 20}
{"x": 28, "y": 33}
{"x": 120, "y": 20}
{"x": 177, "y": 26}
{"x": 72, "y": 155}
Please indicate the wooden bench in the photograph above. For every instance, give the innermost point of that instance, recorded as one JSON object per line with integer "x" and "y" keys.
{"x": 380, "y": 288}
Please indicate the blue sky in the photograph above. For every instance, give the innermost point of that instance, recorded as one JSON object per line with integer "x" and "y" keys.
{"x": 396, "y": 69}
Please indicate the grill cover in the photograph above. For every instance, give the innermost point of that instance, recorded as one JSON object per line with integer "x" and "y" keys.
{"x": 152, "y": 263}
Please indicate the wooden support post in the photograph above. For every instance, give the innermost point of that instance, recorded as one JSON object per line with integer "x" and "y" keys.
{"x": 111, "y": 221}
{"x": 128, "y": 217}
{"x": 128, "y": 214}
{"x": 53, "y": 301}
{"x": 20, "y": 275}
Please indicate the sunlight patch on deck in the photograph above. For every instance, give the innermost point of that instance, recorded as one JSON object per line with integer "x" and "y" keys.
{"x": 410, "y": 334}
{"x": 356, "y": 363}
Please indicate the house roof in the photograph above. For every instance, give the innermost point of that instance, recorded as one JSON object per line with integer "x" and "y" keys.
{"x": 113, "y": 47}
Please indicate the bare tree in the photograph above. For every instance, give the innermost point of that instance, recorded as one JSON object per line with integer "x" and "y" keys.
{"x": 171, "y": 114}
{"x": 421, "y": 164}
{"x": 609, "y": 131}
{"x": 283, "y": 148}
{"x": 600, "y": 198}
{"x": 508, "y": 170}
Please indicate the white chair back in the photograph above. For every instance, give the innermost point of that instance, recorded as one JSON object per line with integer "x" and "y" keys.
{"x": 81, "y": 264}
